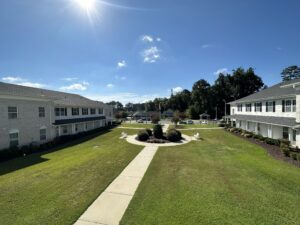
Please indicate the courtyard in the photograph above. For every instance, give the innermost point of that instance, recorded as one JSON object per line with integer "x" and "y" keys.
{"x": 220, "y": 179}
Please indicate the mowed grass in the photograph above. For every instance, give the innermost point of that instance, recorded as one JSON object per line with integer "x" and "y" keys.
{"x": 59, "y": 186}
{"x": 220, "y": 180}
{"x": 137, "y": 125}
{"x": 189, "y": 126}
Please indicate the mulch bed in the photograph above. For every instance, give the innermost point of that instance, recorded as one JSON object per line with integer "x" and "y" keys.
{"x": 272, "y": 150}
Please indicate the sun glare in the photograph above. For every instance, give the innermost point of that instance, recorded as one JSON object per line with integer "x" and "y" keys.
{"x": 87, "y": 5}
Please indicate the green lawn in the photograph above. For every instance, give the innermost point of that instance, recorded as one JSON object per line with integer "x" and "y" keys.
{"x": 220, "y": 180}
{"x": 137, "y": 125}
{"x": 57, "y": 187}
{"x": 188, "y": 126}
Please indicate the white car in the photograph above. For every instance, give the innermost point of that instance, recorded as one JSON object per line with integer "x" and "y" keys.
{"x": 190, "y": 122}
{"x": 204, "y": 122}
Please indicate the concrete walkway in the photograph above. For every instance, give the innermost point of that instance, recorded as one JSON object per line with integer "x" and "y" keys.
{"x": 111, "y": 205}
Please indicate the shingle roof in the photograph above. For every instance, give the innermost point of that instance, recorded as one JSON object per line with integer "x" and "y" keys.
{"x": 60, "y": 98}
{"x": 281, "y": 90}
{"x": 281, "y": 121}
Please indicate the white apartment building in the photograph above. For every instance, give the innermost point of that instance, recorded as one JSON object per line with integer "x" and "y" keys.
{"x": 273, "y": 112}
{"x": 35, "y": 116}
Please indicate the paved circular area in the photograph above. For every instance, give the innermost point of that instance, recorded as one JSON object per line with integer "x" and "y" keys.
{"x": 132, "y": 139}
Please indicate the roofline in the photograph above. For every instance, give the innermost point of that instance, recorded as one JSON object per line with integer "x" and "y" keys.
{"x": 262, "y": 99}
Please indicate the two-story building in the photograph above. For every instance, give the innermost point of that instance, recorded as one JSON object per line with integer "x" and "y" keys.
{"x": 35, "y": 116}
{"x": 273, "y": 112}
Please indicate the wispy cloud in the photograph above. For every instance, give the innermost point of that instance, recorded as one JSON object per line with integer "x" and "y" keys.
{"x": 120, "y": 77}
{"x": 177, "y": 90}
{"x": 12, "y": 79}
{"x": 69, "y": 79}
{"x": 151, "y": 55}
{"x": 76, "y": 87}
{"x": 125, "y": 97}
{"x": 206, "y": 46}
{"x": 22, "y": 81}
{"x": 147, "y": 38}
{"x": 110, "y": 86}
{"x": 150, "y": 39}
{"x": 122, "y": 64}
{"x": 221, "y": 70}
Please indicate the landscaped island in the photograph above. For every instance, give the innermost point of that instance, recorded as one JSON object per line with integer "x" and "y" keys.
{"x": 157, "y": 135}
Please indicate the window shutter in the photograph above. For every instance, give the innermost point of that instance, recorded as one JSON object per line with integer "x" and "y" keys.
{"x": 283, "y": 105}
{"x": 267, "y": 106}
{"x": 274, "y": 106}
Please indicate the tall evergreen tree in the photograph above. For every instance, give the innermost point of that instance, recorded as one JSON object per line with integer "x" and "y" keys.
{"x": 290, "y": 73}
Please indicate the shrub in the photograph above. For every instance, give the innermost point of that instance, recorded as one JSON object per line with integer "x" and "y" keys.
{"x": 285, "y": 142}
{"x": 271, "y": 141}
{"x": 149, "y": 131}
{"x": 157, "y": 131}
{"x": 298, "y": 157}
{"x": 173, "y": 135}
{"x": 294, "y": 156}
{"x": 143, "y": 135}
{"x": 285, "y": 148}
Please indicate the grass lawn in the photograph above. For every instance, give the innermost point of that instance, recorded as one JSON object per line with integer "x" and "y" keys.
{"x": 188, "y": 126}
{"x": 137, "y": 125}
{"x": 220, "y": 180}
{"x": 57, "y": 187}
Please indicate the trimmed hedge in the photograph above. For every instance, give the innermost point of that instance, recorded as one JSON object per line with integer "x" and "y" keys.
{"x": 149, "y": 131}
{"x": 157, "y": 131}
{"x": 173, "y": 135}
{"x": 143, "y": 135}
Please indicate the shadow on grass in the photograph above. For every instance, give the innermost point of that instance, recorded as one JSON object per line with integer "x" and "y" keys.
{"x": 36, "y": 158}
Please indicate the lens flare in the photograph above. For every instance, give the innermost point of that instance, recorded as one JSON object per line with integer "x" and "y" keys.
{"x": 87, "y": 5}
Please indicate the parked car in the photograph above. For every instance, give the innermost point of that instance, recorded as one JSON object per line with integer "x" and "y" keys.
{"x": 190, "y": 122}
{"x": 204, "y": 122}
{"x": 140, "y": 121}
{"x": 182, "y": 122}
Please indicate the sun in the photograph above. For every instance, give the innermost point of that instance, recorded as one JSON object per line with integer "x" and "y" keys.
{"x": 87, "y": 5}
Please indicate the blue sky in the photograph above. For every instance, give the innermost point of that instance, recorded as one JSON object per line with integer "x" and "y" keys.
{"x": 134, "y": 50}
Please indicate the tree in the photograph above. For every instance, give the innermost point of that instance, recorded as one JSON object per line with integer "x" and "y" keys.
{"x": 193, "y": 113}
{"x": 290, "y": 73}
{"x": 155, "y": 118}
{"x": 201, "y": 96}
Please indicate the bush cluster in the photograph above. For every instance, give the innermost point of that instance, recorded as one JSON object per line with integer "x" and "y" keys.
{"x": 173, "y": 135}
{"x": 149, "y": 131}
{"x": 143, "y": 135}
{"x": 14, "y": 152}
{"x": 157, "y": 131}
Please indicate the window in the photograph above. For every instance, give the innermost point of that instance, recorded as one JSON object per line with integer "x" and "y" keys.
{"x": 43, "y": 132}
{"x": 248, "y": 107}
{"x": 294, "y": 135}
{"x": 14, "y": 139}
{"x": 85, "y": 111}
{"x": 294, "y": 106}
{"x": 100, "y": 111}
{"x": 93, "y": 111}
{"x": 75, "y": 111}
{"x": 240, "y": 107}
{"x": 61, "y": 112}
{"x": 271, "y": 106}
{"x": 288, "y": 105}
{"x": 257, "y": 107}
{"x": 64, "y": 129}
{"x": 285, "y": 133}
{"x": 76, "y": 127}
{"x": 41, "y": 111}
{"x": 12, "y": 112}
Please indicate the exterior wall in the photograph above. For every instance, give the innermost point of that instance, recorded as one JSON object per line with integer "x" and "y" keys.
{"x": 28, "y": 122}
{"x": 278, "y": 112}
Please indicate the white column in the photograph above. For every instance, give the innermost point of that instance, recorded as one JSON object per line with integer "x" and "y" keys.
{"x": 73, "y": 128}
{"x": 297, "y": 108}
